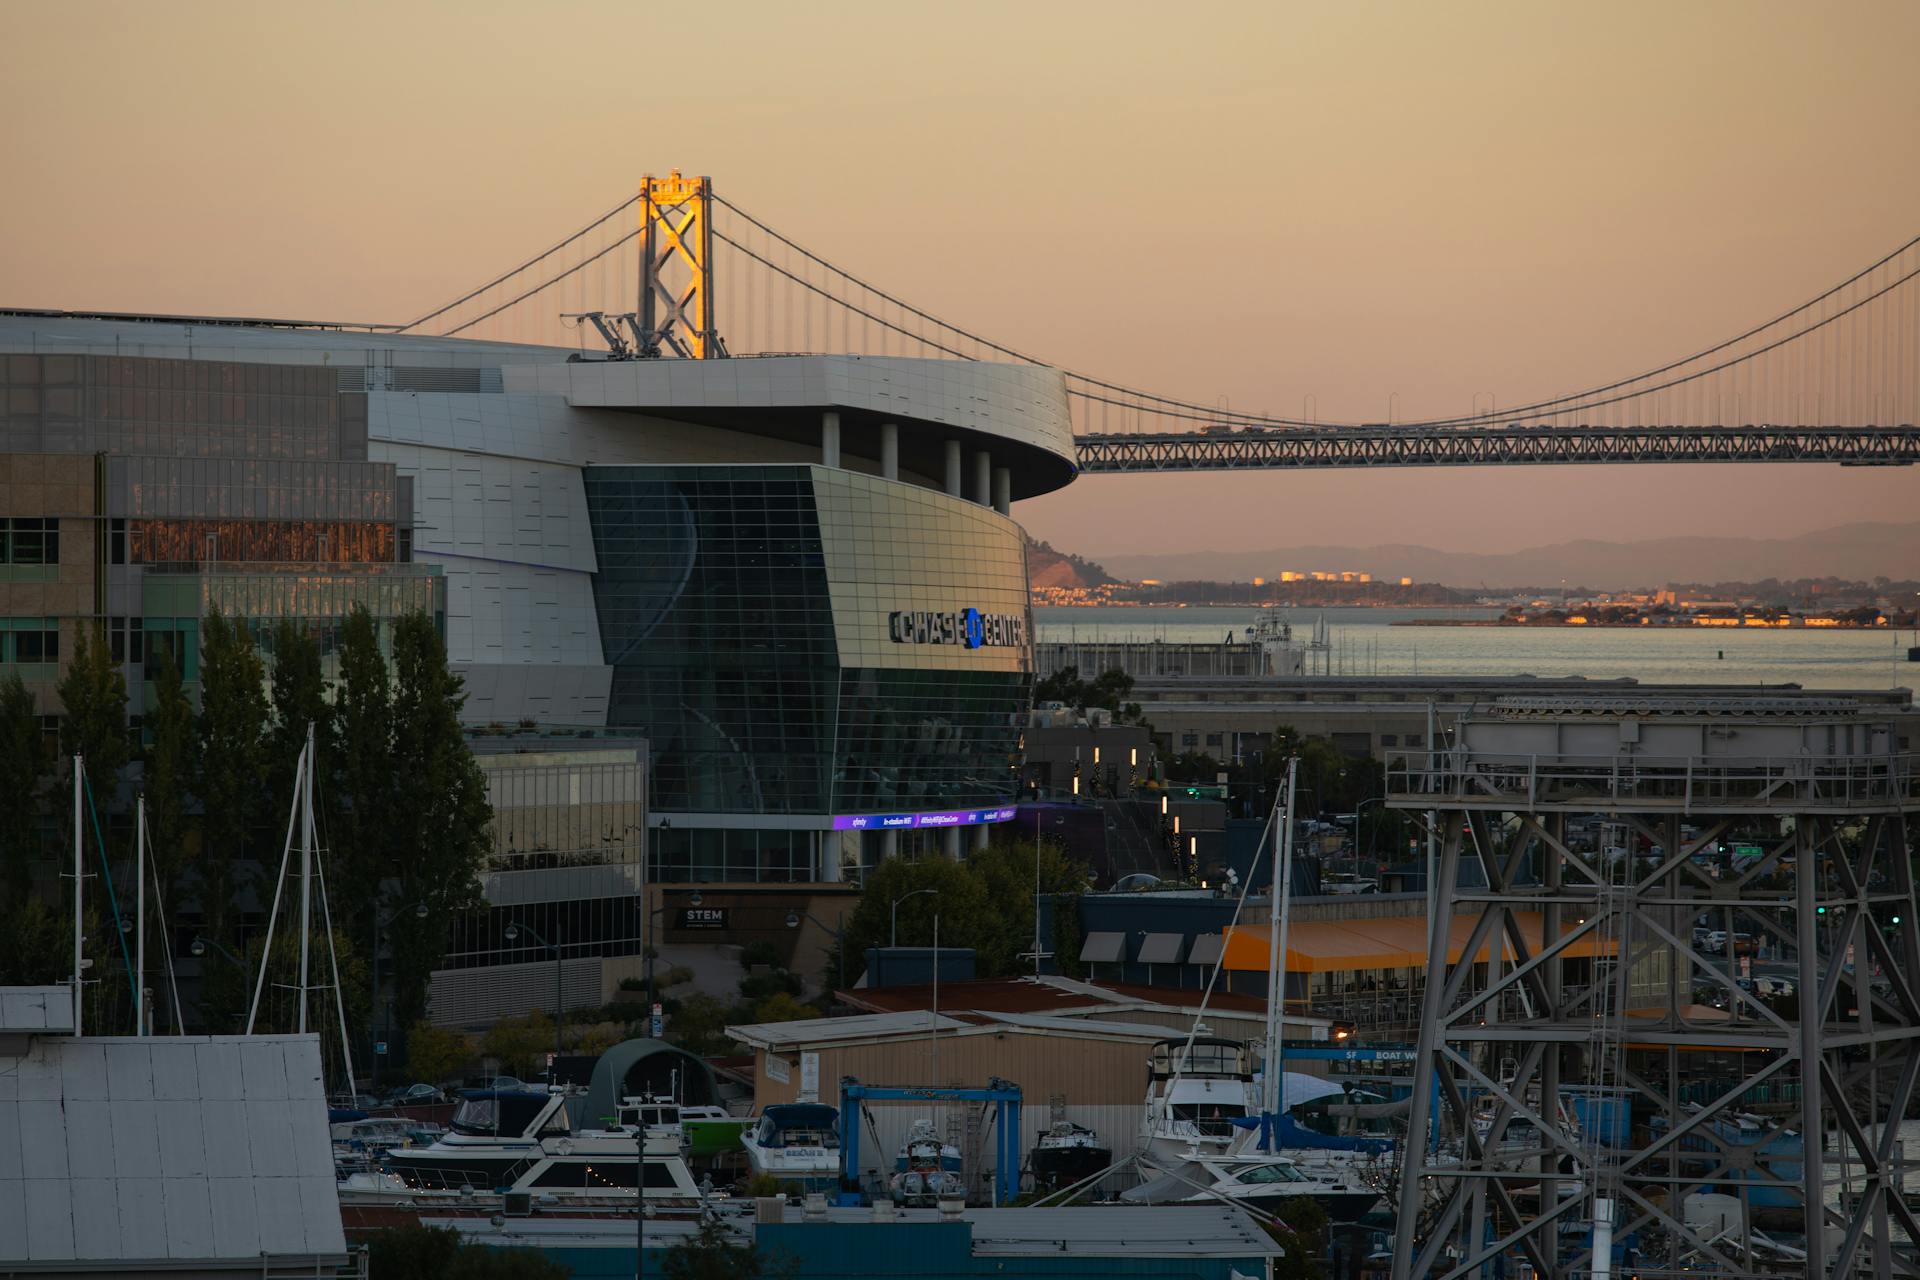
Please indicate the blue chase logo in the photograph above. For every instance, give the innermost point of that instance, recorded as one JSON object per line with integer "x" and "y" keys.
{"x": 968, "y": 628}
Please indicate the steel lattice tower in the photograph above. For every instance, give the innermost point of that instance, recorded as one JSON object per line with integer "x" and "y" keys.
{"x": 1572, "y": 1058}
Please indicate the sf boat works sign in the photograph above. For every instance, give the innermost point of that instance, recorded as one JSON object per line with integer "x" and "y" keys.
{"x": 969, "y": 627}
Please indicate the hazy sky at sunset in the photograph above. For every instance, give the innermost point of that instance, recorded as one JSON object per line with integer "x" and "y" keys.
{"x": 1260, "y": 201}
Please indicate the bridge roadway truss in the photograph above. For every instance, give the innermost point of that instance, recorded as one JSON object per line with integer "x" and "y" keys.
{"x": 1574, "y": 979}
{"x": 1385, "y": 446}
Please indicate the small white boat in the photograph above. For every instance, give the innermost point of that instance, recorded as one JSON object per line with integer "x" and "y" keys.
{"x": 798, "y": 1143}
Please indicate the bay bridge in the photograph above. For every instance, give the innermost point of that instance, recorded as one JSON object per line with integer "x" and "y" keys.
{"x": 1833, "y": 379}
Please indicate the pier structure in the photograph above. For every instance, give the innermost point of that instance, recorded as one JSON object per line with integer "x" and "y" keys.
{"x": 1701, "y": 1060}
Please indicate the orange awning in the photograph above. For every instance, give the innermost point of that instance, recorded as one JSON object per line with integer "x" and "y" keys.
{"x": 1384, "y": 942}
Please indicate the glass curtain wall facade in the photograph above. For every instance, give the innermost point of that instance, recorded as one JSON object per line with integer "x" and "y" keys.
{"x": 749, "y": 614}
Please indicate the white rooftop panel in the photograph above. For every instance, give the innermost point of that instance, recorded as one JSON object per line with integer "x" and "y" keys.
{"x": 228, "y": 1164}
{"x": 1103, "y": 948}
{"x": 36, "y": 1009}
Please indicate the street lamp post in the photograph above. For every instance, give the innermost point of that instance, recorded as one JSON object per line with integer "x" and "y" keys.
{"x": 380, "y": 926}
{"x": 839, "y": 940}
{"x": 893, "y": 916}
{"x": 513, "y": 931}
{"x": 652, "y": 944}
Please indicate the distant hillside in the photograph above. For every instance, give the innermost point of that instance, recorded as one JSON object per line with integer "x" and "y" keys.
{"x": 1859, "y": 551}
{"x": 1049, "y": 568}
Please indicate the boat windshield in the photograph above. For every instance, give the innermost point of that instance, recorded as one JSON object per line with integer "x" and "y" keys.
{"x": 477, "y": 1115}
{"x": 1215, "y": 1119}
{"x": 1260, "y": 1173}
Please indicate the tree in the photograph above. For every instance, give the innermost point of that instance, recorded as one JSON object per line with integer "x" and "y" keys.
{"x": 230, "y": 778}
{"x": 521, "y": 1044}
{"x": 437, "y": 1253}
{"x": 362, "y": 778}
{"x": 36, "y": 944}
{"x": 435, "y": 1054}
{"x": 712, "y": 1253}
{"x": 1110, "y": 689}
{"x": 440, "y": 816}
{"x": 1302, "y": 1232}
{"x": 781, "y": 1007}
{"x": 23, "y": 767}
{"x": 1005, "y": 870}
{"x": 966, "y": 916}
{"x": 93, "y": 695}
{"x": 299, "y": 700}
{"x": 167, "y": 773}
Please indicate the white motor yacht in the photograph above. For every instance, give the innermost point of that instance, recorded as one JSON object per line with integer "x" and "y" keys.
{"x": 508, "y": 1141}
{"x": 1194, "y": 1094}
{"x": 798, "y": 1143}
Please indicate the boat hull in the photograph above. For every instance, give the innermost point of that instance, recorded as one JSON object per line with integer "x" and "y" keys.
{"x": 1056, "y": 1167}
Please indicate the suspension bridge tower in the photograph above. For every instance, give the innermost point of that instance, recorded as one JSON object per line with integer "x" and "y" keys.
{"x": 677, "y": 267}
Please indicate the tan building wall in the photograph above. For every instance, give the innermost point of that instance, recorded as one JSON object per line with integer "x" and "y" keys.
{"x": 61, "y": 486}
{"x": 1097, "y": 1081}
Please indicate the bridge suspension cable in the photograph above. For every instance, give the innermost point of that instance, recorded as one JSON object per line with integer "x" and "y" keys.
{"x": 1850, "y": 354}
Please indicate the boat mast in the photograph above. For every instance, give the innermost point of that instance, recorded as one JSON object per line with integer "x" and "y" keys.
{"x": 306, "y": 873}
{"x": 140, "y": 914}
{"x": 79, "y": 874}
{"x": 1277, "y": 900}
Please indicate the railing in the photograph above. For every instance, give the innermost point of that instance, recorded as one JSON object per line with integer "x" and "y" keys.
{"x": 1462, "y": 775}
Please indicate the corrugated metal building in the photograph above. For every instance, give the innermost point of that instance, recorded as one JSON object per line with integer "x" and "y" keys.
{"x": 1069, "y": 1066}
{"x": 185, "y": 1155}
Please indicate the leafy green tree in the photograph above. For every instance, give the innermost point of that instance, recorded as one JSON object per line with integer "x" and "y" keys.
{"x": 93, "y": 695}
{"x": 231, "y": 778}
{"x": 437, "y": 1253}
{"x": 167, "y": 774}
{"x": 23, "y": 767}
{"x": 440, "y": 816}
{"x": 521, "y": 1044}
{"x": 782, "y": 1007}
{"x": 1110, "y": 689}
{"x": 712, "y": 1253}
{"x": 435, "y": 1053}
{"x": 966, "y": 913}
{"x": 36, "y": 945}
{"x": 698, "y": 1023}
{"x": 363, "y": 775}
{"x": 1006, "y": 872}
{"x": 299, "y": 700}
{"x": 1302, "y": 1232}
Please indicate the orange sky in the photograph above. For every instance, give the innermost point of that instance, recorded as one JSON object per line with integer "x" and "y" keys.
{"x": 1261, "y": 201}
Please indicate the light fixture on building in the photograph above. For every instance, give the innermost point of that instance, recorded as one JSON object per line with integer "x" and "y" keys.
{"x": 696, "y": 899}
{"x": 1133, "y": 756}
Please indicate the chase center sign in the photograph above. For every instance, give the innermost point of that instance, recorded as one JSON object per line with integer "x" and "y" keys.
{"x": 968, "y": 627}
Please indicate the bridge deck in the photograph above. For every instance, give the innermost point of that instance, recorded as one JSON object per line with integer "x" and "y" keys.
{"x": 1384, "y": 446}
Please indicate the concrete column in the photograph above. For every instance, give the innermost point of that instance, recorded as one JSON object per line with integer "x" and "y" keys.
{"x": 983, "y": 478}
{"x": 829, "y": 867}
{"x": 953, "y": 843}
{"x": 953, "y": 468}
{"x": 1003, "y": 490}
{"x": 830, "y": 439}
{"x": 890, "y": 843}
{"x": 980, "y": 834}
{"x": 890, "y": 451}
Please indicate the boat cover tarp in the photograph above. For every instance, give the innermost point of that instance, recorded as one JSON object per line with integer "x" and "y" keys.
{"x": 1278, "y": 1133}
{"x": 1183, "y": 1183}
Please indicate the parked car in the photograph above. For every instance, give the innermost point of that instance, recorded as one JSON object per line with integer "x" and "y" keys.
{"x": 415, "y": 1095}
{"x": 507, "y": 1082}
